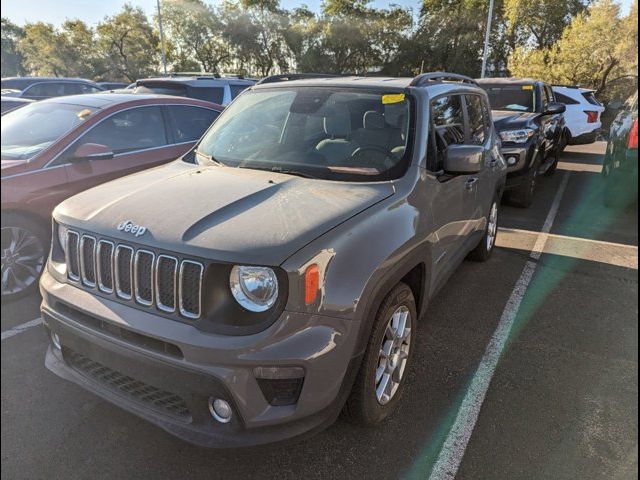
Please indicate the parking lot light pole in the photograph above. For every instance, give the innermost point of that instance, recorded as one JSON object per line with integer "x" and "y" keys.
{"x": 485, "y": 54}
{"x": 164, "y": 53}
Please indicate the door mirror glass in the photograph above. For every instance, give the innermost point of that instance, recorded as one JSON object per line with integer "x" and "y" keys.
{"x": 463, "y": 159}
{"x": 92, "y": 151}
{"x": 555, "y": 108}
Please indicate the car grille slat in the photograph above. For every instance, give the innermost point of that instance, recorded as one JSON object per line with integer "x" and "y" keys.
{"x": 190, "y": 288}
{"x": 73, "y": 259}
{"x": 104, "y": 264}
{"x": 143, "y": 277}
{"x": 170, "y": 284}
{"x": 88, "y": 260}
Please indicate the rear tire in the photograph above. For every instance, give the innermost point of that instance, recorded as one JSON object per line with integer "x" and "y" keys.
{"x": 485, "y": 247}
{"x": 388, "y": 355}
{"x": 25, "y": 246}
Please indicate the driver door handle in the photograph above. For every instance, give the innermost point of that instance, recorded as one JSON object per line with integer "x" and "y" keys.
{"x": 470, "y": 183}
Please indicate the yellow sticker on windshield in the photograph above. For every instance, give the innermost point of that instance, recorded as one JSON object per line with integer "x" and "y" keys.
{"x": 83, "y": 113}
{"x": 527, "y": 87}
{"x": 390, "y": 98}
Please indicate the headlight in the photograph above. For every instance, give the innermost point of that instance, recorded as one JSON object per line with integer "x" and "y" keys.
{"x": 517, "y": 136}
{"x": 254, "y": 288}
{"x": 62, "y": 238}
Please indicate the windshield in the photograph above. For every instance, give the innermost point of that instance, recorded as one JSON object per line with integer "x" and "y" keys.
{"x": 328, "y": 133}
{"x": 520, "y": 98}
{"x": 29, "y": 130}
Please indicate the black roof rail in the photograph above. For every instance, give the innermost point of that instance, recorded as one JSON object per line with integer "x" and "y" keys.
{"x": 285, "y": 77}
{"x": 440, "y": 77}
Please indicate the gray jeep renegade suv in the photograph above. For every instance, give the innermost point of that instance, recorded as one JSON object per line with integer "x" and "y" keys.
{"x": 250, "y": 290}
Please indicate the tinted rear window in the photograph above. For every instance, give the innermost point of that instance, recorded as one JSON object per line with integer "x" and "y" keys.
{"x": 162, "y": 89}
{"x": 237, "y": 90}
{"x": 566, "y": 99}
{"x": 210, "y": 94}
{"x": 591, "y": 98}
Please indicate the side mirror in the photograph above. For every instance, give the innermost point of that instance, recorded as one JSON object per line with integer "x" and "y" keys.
{"x": 463, "y": 159}
{"x": 555, "y": 108}
{"x": 92, "y": 151}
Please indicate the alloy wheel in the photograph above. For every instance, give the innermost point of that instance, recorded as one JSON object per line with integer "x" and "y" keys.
{"x": 492, "y": 227}
{"x": 393, "y": 356}
{"x": 22, "y": 259}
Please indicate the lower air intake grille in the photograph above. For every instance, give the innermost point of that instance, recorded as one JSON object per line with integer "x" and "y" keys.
{"x": 162, "y": 400}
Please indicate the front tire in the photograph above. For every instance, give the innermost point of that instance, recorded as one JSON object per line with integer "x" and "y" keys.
{"x": 25, "y": 245}
{"x": 523, "y": 195}
{"x": 380, "y": 381}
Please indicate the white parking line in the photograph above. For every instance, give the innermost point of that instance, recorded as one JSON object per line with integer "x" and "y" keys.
{"x": 20, "y": 328}
{"x": 450, "y": 457}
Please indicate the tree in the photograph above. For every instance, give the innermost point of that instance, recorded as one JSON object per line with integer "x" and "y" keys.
{"x": 541, "y": 23}
{"x": 129, "y": 44}
{"x": 596, "y": 47}
{"x": 196, "y": 32}
{"x": 11, "y": 58}
{"x": 69, "y": 51}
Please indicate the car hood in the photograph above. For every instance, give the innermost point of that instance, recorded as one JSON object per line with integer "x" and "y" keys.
{"x": 220, "y": 213}
{"x": 508, "y": 120}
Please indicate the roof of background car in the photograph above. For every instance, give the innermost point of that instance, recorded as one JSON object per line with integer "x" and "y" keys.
{"x": 102, "y": 100}
{"x": 8, "y": 98}
{"x": 196, "y": 79}
{"x": 507, "y": 81}
{"x": 377, "y": 83}
{"x": 48, "y": 79}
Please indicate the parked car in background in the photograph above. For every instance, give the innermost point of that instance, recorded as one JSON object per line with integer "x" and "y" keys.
{"x": 11, "y": 103}
{"x": 113, "y": 85}
{"x": 39, "y": 88}
{"x": 583, "y": 115}
{"x": 620, "y": 166}
{"x": 212, "y": 88}
{"x": 257, "y": 306}
{"x": 531, "y": 125}
{"x": 55, "y": 148}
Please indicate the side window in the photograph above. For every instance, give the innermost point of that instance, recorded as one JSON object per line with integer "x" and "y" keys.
{"x": 478, "y": 125}
{"x": 550, "y": 94}
{"x": 73, "y": 88}
{"x": 129, "y": 130}
{"x": 545, "y": 97}
{"x": 237, "y": 89}
{"x": 448, "y": 119}
{"x": 189, "y": 123}
{"x": 448, "y": 124}
{"x": 42, "y": 90}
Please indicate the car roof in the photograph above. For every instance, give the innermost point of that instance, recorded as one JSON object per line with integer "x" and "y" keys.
{"x": 105, "y": 100}
{"x": 569, "y": 88}
{"x": 507, "y": 81}
{"x": 196, "y": 80}
{"x": 47, "y": 79}
{"x": 10, "y": 98}
{"x": 378, "y": 82}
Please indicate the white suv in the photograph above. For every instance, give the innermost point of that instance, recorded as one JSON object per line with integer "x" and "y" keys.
{"x": 583, "y": 113}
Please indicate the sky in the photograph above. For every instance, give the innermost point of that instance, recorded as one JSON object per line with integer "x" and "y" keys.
{"x": 93, "y": 11}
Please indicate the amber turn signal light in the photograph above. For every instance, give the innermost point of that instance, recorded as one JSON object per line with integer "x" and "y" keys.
{"x": 311, "y": 284}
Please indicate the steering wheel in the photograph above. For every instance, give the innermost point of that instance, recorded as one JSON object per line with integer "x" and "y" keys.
{"x": 362, "y": 151}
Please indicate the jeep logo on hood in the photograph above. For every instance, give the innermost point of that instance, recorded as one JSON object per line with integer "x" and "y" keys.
{"x": 129, "y": 227}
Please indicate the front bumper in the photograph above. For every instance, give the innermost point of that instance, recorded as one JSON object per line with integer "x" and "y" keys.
{"x": 166, "y": 372}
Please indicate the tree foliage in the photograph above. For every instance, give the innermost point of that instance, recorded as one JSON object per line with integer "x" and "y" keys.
{"x": 597, "y": 47}
{"x": 568, "y": 41}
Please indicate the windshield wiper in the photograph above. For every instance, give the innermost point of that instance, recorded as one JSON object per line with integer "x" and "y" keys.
{"x": 286, "y": 171}
{"x": 211, "y": 158}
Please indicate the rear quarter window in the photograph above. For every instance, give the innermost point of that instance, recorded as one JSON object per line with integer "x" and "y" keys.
{"x": 567, "y": 100}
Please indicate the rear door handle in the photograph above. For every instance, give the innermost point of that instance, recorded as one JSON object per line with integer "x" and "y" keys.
{"x": 470, "y": 183}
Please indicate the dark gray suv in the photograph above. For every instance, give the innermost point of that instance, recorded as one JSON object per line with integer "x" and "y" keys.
{"x": 273, "y": 276}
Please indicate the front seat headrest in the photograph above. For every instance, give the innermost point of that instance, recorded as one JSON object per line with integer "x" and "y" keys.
{"x": 373, "y": 120}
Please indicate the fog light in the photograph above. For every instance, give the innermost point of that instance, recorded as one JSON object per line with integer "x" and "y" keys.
{"x": 55, "y": 339}
{"x": 511, "y": 161}
{"x": 220, "y": 410}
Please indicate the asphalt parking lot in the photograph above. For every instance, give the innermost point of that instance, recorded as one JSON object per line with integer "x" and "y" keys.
{"x": 561, "y": 402}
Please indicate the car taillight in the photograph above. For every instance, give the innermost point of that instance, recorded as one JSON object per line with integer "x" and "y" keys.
{"x": 633, "y": 136}
{"x": 592, "y": 117}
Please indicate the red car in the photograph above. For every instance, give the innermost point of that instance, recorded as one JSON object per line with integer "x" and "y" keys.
{"x": 56, "y": 148}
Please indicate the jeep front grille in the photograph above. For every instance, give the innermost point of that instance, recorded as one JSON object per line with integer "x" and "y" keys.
{"x": 136, "y": 274}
